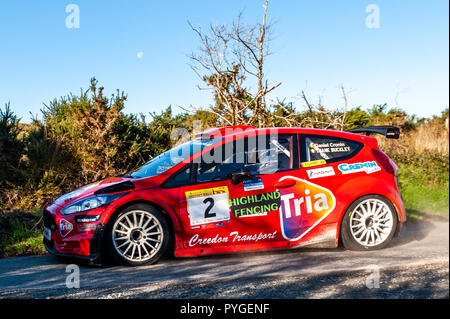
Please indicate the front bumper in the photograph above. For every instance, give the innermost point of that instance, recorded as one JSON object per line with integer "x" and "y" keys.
{"x": 88, "y": 250}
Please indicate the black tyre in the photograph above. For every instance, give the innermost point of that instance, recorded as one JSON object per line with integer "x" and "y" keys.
{"x": 137, "y": 235}
{"x": 369, "y": 223}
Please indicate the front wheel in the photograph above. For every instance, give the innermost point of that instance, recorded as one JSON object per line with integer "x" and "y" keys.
{"x": 137, "y": 235}
{"x": 369, "y": 223}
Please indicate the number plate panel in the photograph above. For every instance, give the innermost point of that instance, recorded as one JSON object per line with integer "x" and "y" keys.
{"x": 212, "y": 207}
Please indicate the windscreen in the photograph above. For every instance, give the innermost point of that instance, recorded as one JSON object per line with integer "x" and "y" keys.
{"x": 171, "y": 158}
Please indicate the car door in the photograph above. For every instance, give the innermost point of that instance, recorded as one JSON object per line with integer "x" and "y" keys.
{"x": 204, "y": 207}
{"x": 273, "y": 164}
{"x": 216, "y": 211}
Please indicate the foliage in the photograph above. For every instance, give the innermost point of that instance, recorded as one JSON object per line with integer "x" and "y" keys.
{"x": 80, "y": 139}
{"x": 86, "y": 127}
{"x": 11, "y": 149}
{"x": 84, "y": 138}
{"x": 20, "y": 233}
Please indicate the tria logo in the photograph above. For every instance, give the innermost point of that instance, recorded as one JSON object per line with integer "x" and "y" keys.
{"x": 65, "y": 227}
{"x": 303, "y": 206}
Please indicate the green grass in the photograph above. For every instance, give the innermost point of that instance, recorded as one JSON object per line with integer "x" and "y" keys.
{"x": 23, "y": 243}
{"x": 424, "y": 184}
{"x": 429, "y": 200}
{"x": 21, "y": 237}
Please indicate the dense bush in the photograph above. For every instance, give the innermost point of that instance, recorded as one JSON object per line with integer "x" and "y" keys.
{"x": 11, "y": 149}
{"x": 80, "y": 139}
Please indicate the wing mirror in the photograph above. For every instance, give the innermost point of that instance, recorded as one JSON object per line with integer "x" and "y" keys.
{"x": 238, "y": 177}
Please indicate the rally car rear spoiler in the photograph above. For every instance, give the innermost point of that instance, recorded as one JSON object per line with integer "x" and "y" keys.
{"x": 388, "y": 131}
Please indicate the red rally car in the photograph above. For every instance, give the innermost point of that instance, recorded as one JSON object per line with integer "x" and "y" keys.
{"x": 233, "y": 189}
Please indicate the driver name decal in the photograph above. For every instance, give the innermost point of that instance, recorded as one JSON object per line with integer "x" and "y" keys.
{"x": 303, "y": 206}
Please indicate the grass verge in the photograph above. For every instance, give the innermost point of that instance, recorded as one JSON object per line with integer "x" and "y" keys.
{"x": 428, "y": 200}
{"x": 424, "y": 184}
{"x": 21, "y": 233}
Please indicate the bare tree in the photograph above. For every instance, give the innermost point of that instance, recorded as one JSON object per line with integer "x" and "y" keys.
{"x": 344, "y": 96}
{"x": 318, "y": 116}
{"x": 231, "y": 62}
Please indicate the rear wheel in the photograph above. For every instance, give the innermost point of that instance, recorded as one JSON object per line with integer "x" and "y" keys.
{"x": 369, "y": 223}
{"x": 137, "y": 235}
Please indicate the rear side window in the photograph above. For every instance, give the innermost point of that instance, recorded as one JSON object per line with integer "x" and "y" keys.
{"x": 328, "y": 148}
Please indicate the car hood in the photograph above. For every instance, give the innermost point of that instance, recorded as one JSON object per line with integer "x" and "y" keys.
{"x": 90, "y": 189}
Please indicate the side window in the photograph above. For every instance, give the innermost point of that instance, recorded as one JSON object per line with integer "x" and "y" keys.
{"x": 272, "y": 155}
{"x": 328, "y": 148}
{"x": 181, "y": 178}
{"x": 222, "y": 163}
{"x": 263, "y": 155}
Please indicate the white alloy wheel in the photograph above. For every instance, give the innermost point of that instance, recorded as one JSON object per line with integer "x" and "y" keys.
{"x": 371, "y": 222}
{"x": 137, "y": 235}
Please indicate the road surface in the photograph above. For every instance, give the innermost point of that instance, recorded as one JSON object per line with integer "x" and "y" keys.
{"x": 414, "y": 265}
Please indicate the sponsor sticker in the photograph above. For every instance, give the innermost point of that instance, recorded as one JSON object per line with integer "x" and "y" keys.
{"x": 208, "y": 205}
{"x": 368, "y": 167}
{"x": 255, "y": 205}
{"x": 303, "y": 206}
{"x": 65, "y": 227}
{"x": 233, "y": 237}
{"x": 314, "y": 163}
{"x": 87, "y": 227}
{"x": 210, "y": 225}
{"x": 320, "y": 172}
{"x": 87, "y": 219}
{"x": 252, "y": 184}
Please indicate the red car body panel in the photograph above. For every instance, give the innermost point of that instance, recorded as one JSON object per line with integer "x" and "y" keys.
{"x": 328, "y": 199}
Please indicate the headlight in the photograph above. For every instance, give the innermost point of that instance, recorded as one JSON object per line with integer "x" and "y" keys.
{"x": 90, "y": 203}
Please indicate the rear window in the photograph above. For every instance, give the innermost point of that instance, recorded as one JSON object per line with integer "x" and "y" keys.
{"x": 328, "y": 148}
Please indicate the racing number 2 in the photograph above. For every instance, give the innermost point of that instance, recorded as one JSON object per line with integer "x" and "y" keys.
{"x": 208, "y": 209}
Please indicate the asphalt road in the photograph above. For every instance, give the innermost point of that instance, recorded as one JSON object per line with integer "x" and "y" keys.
{"x": 418, "y": 258}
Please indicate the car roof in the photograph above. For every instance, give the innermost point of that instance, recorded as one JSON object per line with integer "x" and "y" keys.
{"x": 246, "y": 130}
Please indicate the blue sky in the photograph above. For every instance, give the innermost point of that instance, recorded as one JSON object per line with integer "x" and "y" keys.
{"x": 318, "y": 46}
